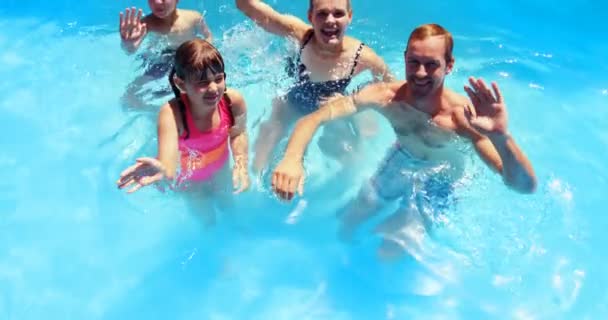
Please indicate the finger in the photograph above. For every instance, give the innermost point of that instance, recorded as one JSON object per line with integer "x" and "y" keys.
{"x": 472, "y": 95}
{"x": 484, "y": 90}
{"x": 288, "y": 187}
{"x": 474, "y": 86}
{"x": 124, "y": 183}
{"x": 274, "y": 179}
{"x": 497, "y": 92}
{"x": 479, "y": 92}
{"x": 301, "y": 186}
{"x": 144, "y": 28}
{"x": 121, "y": 21}
{"x": 127, "y": 16}
{"x": 285, "y": 195}
{"x": 238, "y": 190}
{"x": 124, "y": 176}
{"x": 283, "y": 187}
{"x": 132, "y": 15}
{"x": 144, "y": 181}
{"x": 149, "y": 161}
{"x": 139, "y": 13}
{"x": 478, "y": 87}
{"x": 279, "y": 186}
{"x": 130, "y": 170}
{"x": 292, "y": 184}
{"x": 235, "y": 180}
{"x": 244, "y": 185}
{"x": 136, "y": 187}
{"x": 473, "y": 83}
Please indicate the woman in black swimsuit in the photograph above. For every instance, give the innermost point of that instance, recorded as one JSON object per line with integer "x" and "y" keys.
{"x": 325, "y": 66}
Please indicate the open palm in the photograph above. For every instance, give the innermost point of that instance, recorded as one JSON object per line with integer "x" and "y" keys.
{"x": 490, "y": 109}
{"x": 132, "y": 29}
{"x": 144, "y": 172}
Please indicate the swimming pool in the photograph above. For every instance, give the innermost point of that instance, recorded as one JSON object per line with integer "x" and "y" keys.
{"x": 73, "y": 247}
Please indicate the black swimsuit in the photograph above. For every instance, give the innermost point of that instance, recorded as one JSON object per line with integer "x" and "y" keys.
{"x": 158, "y": 65}
{"x": 305, "y": 94}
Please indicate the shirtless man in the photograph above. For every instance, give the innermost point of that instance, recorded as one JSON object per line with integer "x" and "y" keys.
{"x": 431, "y": 123}
{"x": 326, "y": 63}
{"x": 171, "y": 27}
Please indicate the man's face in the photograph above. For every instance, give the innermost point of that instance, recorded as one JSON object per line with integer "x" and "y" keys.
{"x": 425, "y": 65}
{"x": 329, "y": 19}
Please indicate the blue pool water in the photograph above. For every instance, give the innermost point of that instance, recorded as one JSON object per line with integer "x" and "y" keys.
{"x": 73, "y": 247}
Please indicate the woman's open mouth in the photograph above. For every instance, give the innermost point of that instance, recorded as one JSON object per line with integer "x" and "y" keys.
{"x": 330, "y": 32}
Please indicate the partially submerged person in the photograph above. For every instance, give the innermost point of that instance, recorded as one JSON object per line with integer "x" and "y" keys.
{"x": 430, "y": 122}
{"x": 170, "y": 27}
{"x": 326, "y": 63}
{"x": 197, "y": 130}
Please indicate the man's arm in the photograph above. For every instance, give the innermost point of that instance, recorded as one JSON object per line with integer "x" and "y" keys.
{"x": 517, "y": 171}
{"x": 288, "y": 176}
{"x": 272, "y": 21}
{"x": 500, "y": 153}
{"x": 373, "y": 95}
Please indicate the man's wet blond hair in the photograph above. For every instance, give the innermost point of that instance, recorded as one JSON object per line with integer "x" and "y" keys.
{"x": 430, "y": 30}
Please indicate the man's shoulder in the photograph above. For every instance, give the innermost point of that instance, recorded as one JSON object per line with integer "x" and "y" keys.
{"x": 457, "y": 100}
{"x": 382, "y": 94}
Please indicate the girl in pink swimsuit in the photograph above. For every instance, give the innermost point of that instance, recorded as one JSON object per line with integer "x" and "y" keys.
{"x": 198, "y": 128}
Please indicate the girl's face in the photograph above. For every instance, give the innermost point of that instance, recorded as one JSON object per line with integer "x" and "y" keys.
{"x": 207, "y": 91}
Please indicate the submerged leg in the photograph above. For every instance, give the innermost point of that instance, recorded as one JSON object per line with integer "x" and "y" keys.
{"x": 342, "y": 139}
{"x": 271, "y": 132}
{"x": 364, "y": 206}
{"x": 408, "y": 229}
{"x": 133, "y": 98}
{"x": 205, "y": 197}
{"x": 386, "y": 185}
{"x": 201, "y": 205}
{"x": 402, "y": 232}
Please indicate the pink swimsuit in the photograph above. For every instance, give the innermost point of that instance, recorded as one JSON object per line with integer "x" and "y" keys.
{"x": 204, "y": 153}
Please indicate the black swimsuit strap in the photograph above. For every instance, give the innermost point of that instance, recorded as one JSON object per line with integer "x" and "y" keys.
{"x": 307, "y": 39}
{"x": 357, "y": 55}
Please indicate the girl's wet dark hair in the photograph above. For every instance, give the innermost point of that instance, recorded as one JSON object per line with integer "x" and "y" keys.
{"x": 192, "y": 60}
